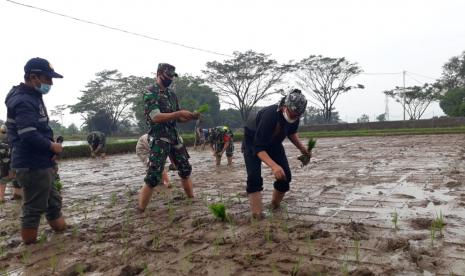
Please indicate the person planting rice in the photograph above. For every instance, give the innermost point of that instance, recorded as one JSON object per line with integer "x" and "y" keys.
{"x": 221, "y": 142}
{"x": 162, "y": 111}
{"x": 263, "y": 137}
{"x": 96, "y": 141}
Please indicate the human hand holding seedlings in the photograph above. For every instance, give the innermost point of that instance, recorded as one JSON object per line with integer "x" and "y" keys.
{"x": 305, "y": 157}
{"x": 202, "y": 109}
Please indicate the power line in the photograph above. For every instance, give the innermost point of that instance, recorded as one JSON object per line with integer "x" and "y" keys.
{"x": 410, "y": 76}
{"x": 119, "y": 29}
{"x": 420, "y": 75}
{"x": 391, "y": 73}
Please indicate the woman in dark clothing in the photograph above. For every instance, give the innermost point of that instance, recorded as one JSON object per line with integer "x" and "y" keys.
{"x": 263, "y": 137}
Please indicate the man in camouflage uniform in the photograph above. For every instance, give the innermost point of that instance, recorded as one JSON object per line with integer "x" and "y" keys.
{"x": 162, "y": 111}
{"x": 7, "y": 174}
{"x": 96, "y": 141}
{"x": 222, "y": 141}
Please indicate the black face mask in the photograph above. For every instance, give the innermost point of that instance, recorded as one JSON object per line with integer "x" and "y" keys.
{"x": 166, "y": 82}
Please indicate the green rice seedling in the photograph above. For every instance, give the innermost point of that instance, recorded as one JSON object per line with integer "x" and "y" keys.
{"x": 171, "y": 212}
{"x": 25, "y": 255}
{"x": 438, "y": 223}
{"x": 268, "y": 237}
{"x": 216, "y": 244}
{"x": 75, "y": 231}
{"x": 345, "y": 267}
{"x": 203, "y": 108}
{"x": 2, "y": 251}
{"x": 218, "y": 210}
{"x": 53, "y": 263}
{"x": 296, "y": 268}
{"x": 58, "y": 185}
{"x": 113, "y": 199}
{"x": 99, "y": 232}
{"x": 304, "y": 158}
{"x": 432, "y": 234}
{"x": 309, "y": 242}
{"x": 394, "y": 218}
{"x": 238, "y": 196}
{"x": 42, "y": 238}
{"x": 155, "y": 242}
{"x": 274, "y": 270}
{"x": 357, "y": 250}
{"x": 146, "y": 270}
{"x": 79, "y": 269}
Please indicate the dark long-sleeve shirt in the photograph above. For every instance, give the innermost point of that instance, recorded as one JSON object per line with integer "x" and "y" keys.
{"x": 266, "y": 129}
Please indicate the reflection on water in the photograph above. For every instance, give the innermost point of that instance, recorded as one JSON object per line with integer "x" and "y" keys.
{"x": 77, "y": 143}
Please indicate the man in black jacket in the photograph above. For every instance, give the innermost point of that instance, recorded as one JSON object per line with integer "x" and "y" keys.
{"x": 263, "y": 137}
{"x": 34, "y": 149}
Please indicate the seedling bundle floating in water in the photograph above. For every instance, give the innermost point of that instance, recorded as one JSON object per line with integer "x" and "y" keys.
{"x": 305, "y": 158}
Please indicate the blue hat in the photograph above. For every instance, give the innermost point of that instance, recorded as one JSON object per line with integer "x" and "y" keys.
{"x": 40, "y": 66}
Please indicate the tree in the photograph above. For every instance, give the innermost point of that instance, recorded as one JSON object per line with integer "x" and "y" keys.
{"x": 453, "y": 74}
{"x": 324, "y": 79}
{"x": 313, "y": 115}
{"x": 229, "y": 117}
{"x": 72, "y": 129}
{"x": 59, "y": 112}
{"x": 101, "y": 121}
{"x": 192, "y": 92}
{"x": 108, "y": 94}
{"x": 363, "y": 119}
{"x": 417, "y": 98}
{"x": 453, "y": 102}
{"x": 246, "y": 79}
{"x": 381, "y": 117}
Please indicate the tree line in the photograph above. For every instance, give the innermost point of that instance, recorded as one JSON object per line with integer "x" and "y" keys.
{"x": 112, "y": 103}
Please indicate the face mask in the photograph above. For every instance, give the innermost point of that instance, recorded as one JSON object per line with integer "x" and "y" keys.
{"x": 289, "y": 120}
{"x": 166, "y": 82}
{"x": 44, "y": 88}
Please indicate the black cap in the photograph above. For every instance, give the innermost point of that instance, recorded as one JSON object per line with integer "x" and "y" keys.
{"x": 40, "y": 66}
{"x": 167, "y": 68}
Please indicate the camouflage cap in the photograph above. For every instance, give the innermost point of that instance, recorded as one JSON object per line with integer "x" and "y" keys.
{"x": 168, "y": 69}
{"x": 295, "y": 101}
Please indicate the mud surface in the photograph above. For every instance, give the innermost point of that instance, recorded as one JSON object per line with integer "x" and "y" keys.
{"x": 336, "y": 220}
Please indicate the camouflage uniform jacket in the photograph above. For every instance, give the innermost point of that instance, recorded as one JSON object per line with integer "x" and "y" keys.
{"x": 4, "y": 149}
{"x": 156, "y": 102}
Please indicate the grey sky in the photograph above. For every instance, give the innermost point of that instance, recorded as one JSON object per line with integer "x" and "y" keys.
{"x": 382, "y": 36}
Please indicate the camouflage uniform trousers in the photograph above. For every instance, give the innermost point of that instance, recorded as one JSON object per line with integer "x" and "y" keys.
{"x": 229, "y": 151}
{"x": 7, "y": 174}
{"x": 160, "y": 150}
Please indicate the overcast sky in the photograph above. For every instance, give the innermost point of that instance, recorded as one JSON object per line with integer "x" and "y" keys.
{"x": 381, "y": 36}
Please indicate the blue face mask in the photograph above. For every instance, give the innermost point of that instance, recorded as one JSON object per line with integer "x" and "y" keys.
{"x": 43, "y": 88}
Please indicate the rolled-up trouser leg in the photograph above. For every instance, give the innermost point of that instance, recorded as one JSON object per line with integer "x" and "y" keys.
{"x": 40, "y": 196}
{"x": 253, "y": 165}
{"x": 278, "y": 155}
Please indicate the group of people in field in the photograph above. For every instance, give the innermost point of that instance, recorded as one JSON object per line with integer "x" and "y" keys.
{"x": 34, "y": 150}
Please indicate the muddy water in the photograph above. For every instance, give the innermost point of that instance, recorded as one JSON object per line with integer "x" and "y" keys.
{"x": 337, "y": 216}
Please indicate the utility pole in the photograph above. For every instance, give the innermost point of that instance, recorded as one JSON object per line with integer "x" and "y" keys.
{"x": 386, "y": 108}
{"x": 403, "y": 80}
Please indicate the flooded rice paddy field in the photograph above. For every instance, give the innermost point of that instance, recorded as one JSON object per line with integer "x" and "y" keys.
{"x": 338, "y": 218}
